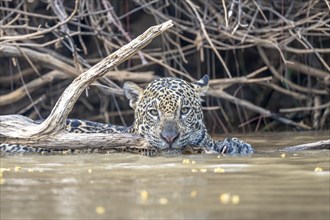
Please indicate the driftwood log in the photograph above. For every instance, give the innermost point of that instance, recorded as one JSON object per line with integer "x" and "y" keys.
{"x": 50, "y": 134}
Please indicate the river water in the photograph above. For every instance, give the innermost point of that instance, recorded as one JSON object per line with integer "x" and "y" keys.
{"x": 266, "y": 185}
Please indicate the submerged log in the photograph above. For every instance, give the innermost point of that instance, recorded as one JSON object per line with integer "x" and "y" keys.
{"x": 50, "y": 134}
{"x": 319, "y": 145}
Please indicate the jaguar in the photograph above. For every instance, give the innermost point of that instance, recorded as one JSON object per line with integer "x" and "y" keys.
{"x": 167, "y": 113}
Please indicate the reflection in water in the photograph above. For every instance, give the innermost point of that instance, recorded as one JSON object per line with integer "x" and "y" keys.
{"x": 123, "y": 186}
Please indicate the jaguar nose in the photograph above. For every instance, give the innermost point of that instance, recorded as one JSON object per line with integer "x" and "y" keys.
{"x": 169, "y": 132}
{"x": 169, "y": 137}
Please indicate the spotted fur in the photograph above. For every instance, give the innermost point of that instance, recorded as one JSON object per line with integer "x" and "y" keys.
{"x": 167, "y": 113}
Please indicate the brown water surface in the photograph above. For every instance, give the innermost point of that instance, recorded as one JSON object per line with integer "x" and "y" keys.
{"x": 266, "y": 185}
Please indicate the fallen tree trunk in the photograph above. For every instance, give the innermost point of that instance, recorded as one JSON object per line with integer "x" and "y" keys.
{"x": 50, "y": 134}
{"x": 65, "y": 140}
{"x": 85, "y": 142}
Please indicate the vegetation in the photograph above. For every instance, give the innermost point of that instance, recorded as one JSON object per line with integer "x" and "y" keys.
{"x": 268, "y": 60}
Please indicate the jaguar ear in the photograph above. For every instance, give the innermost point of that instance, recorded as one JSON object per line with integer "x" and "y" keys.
{"x": 132, "y": 92}
{"x": 202, "y": 85}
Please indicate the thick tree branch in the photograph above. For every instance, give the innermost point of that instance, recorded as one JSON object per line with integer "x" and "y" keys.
{"x": 30, "y": 87}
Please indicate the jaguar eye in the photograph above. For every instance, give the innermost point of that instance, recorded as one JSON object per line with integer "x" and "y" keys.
{"x": 185, "y": 110}
{"x": 153, "y": 112}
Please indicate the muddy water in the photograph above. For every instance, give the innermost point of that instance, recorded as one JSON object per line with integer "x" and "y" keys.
{"x": 267, "y": 185}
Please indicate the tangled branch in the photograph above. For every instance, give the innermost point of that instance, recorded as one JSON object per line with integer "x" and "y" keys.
{"x": 268, "y": 60}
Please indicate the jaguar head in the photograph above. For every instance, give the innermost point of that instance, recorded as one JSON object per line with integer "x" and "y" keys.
{"x": 168, "y": 111}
